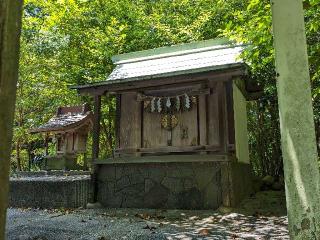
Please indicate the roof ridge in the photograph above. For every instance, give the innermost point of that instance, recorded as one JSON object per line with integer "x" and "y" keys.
{"x": 181, "y": 49}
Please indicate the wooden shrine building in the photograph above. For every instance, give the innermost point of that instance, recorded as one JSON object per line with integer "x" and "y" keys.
{"x": 181, "y": 128}
{"x": 69, "y": 130}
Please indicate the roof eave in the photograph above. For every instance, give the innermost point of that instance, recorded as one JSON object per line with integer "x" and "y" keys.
{"x": 240, "y": 65}
{"x": 68, "y": 127}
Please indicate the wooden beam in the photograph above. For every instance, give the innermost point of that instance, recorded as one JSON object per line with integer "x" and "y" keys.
{"x": 101, "y": 88}
{"x": 250, "y": 93}
{"x": 168, "y": 159}
{"x": 201, "y": 92}
{"x": 169, "y": 149}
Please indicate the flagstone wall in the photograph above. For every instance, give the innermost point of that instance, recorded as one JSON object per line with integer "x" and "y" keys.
{"x": 186, "y": 185}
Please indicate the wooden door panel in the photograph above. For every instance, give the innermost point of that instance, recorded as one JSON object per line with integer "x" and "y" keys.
{"x": 186, "y": 132}
{"x": 153, "y": 134}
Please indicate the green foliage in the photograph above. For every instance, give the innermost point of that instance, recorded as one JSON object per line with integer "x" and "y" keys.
{"x": 70, "y": 42}
{"x": 252, "y": 24}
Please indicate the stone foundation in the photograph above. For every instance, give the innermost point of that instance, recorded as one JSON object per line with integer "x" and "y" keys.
{"x": 173, "y": 185}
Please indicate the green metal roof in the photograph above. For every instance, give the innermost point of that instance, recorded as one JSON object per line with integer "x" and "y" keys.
{"x": 170, "y": 49}
{"x": 197, "y": 57}
{"x": 176, "y": 60}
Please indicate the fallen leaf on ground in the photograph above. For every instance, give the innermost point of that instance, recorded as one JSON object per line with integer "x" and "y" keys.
{"x": 204, "y": 232}
{"x": 144, "y": 216}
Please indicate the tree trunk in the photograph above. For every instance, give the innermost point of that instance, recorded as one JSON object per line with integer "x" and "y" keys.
{"x": 318, "y": 135}
{"x": 296, "y": 120}
{"x": 18, "y": 155}
{"x": 260, "y": 141}
{"x": 10, "y": 23}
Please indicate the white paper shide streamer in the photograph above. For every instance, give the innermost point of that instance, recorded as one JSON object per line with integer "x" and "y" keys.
{"x": 187, "y": 99}
{"x": 171, "y": 104}
{"x": 153, "y": 107}
{"x": 159, "y": 105}
{"x": 178, "y": 103}
{"x": 168, "y": 104}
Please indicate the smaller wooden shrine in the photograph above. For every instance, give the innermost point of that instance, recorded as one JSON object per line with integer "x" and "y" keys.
{"x": 69, "y": 130}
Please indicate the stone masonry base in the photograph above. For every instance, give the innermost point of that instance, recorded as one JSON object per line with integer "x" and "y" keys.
{"x": 174, "y": 185}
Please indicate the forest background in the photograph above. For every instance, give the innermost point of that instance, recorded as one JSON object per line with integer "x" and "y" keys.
{"x": 70, "y": 42}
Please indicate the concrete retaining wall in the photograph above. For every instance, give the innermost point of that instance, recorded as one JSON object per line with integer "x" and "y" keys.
{"x": 49, "y": 191}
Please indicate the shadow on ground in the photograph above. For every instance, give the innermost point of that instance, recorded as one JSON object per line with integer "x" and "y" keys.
{"x": 259, "y": 217}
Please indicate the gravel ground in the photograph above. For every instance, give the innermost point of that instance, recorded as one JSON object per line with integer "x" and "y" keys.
{"x": 250, "y": 221}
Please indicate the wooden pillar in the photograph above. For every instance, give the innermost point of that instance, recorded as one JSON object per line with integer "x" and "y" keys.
{"x": 95, "y": 146}
{"x": 96, "y": 127}
{"x": 117, "y": 121}
{"x": 46, "y": 144}
{"x": 10, "y": 23}
{"x": 202, "y": 117}
{"x": 298, "y": 140}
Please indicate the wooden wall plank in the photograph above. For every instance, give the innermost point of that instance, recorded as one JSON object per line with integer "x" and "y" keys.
{"x": 202, "y": 124}
{"x": 214, "y": 115}
{"x": 117, "y": 121}
{"x": 153, "y": 134}
{"x": 223, "y": 113}
{"x": 130, "y": 121}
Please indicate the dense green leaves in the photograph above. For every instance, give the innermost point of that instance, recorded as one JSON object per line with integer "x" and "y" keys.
{"x": 70, "y": 42}
{"x": 252, "y": 24}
